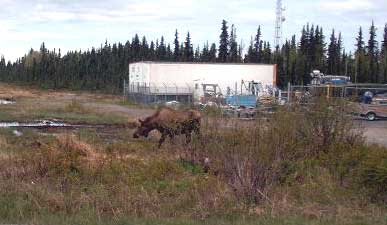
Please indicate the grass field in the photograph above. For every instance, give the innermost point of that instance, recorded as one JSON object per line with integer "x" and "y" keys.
{"x": 263, "y": 172}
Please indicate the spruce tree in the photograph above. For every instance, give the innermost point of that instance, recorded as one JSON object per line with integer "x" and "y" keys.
{"x": 372, "y": 50}
{"x": 249, "y": 57}
{"x": 152, "y": 51}
{"x": 384, "y": 42}
{"x": 234, "y": 54}
{"x": 135, "y": 48}
{"x": 169, "y": 54}
{"x": 260, "y": 52}
{"x": 332, "y": 54}
{"x": 224, "y": 43}
{"x": 293, "y": 61}
{"x": 360, "y": 75}
{"x": 105, "y": 67}
{"x": 266, "y": 53}
{"x": 318, "y": 49}
{"x": 204, "y": 57}
{"x": 338, "y": 58}
{"x": 162, "y": 50}
{"x": 256, "y": 57}
{"x": 304, "y": 42}
{"x": 188, "y": 49}
{"x": 197, "y": 54}
{"x": 302, "y": 64}
{"x": 384, "y": 56}
{"x": 212, "y": 53}
{"x": 176, "y": 51}
{"x": 144, "y": 49}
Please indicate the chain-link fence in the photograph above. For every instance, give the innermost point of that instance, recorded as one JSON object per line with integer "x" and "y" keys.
{"x": 146, "y": 93}
{"x": 352, "y": 92}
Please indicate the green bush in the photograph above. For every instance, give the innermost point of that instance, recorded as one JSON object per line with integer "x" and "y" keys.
{"x": 373, "y": 172}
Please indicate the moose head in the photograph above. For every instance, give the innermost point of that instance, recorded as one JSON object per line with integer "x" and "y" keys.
{"x": 143, "y": 130}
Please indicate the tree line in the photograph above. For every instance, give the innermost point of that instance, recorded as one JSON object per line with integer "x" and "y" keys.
{"x": 105, "y": 68}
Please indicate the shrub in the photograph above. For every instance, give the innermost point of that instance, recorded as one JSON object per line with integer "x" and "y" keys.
{"x": 373, "y": 173}
{"x": 252, "y": 157}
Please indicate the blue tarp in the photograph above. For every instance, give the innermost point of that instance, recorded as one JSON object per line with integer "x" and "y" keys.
{"x": 242, "y": 100}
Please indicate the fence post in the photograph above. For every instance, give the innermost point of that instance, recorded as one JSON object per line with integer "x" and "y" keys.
{"x": 165, "y": 93}
{"x": 289, "y": 89}
{"x": 279, "y": 96}
{"x": 343, "y": 92}
{"x": 177, "y": 91}
{"x": 124, "y": 91}
{"x": 328, "y": 91}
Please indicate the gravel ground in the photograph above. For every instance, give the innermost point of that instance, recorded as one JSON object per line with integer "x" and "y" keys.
{"x": 133, "y": 112}
{"x": 375, "y": 131}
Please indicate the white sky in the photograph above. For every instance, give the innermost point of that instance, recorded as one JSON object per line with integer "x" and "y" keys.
{"x": 82, "y": 24}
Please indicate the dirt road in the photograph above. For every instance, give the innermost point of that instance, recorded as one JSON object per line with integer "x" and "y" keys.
{"x": 114, "y": 108}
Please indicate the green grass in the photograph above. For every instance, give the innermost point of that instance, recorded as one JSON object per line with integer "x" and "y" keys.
{"x": 190, "y": 167}
{"x": 83, "y": 118}
{"x": 70, "y": 113}
{"x": 6, "y": 116}
{"x": 89, "y": 217}
{"x": 129, "y": 103}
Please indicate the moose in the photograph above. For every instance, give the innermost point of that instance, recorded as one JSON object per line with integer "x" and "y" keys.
{"x": 170, "y": 122}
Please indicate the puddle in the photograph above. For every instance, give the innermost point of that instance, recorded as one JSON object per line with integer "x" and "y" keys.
{"x": 40, "y": 123}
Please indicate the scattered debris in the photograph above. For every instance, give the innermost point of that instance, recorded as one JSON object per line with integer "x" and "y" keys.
{"x": 17, "y": 133}
{"x": 39, "y": 123}
{"x": 7, "y": 101}
{"x": 173, "y": 104}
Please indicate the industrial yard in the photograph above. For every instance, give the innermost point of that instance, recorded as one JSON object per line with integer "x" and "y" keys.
{"x": 193, "y": 112}
{"x": 64, "y": 174}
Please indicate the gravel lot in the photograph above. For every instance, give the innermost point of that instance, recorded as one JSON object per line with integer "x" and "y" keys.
{"x": 375, "y": 131}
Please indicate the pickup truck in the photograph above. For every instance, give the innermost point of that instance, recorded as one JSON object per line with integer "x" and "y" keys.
{"x": 376, "y": 109}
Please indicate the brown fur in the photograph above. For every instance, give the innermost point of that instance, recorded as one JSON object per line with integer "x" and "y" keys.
{"x": 170, "y": 122}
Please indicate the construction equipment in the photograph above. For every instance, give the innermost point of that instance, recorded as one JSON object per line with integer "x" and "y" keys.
{"x": 319, "y": 78}
{"x": 251, "y": 99}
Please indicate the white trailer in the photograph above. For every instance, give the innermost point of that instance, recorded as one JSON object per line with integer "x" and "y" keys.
{"x": 190, "y": 77}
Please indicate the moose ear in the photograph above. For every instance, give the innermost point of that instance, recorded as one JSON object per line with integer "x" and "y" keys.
{"x": 141, "y": 121}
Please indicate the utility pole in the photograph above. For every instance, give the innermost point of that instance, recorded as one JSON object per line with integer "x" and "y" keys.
{"x": 280, "y": 19}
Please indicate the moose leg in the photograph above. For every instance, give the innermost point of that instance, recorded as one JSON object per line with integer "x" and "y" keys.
{"x": 187, "y": 137}
{"x": 196, "y": 128}
{"x": 162, "y": 139}
{"x": 171, "y": 136}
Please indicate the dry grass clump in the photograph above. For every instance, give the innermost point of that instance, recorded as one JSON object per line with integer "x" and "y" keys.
{"x": 86, "y": 150}
{"x": 75, "y": 106}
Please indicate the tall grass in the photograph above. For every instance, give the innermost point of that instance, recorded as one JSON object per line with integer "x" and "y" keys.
{"x": 255, "y": 156}
{"x": 301, "y": 165}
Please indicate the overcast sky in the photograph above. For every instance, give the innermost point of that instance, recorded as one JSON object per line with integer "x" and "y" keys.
{"x": 82, "y": 24}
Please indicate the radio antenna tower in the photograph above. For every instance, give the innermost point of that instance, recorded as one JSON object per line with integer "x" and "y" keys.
{"x": 280, "y": 19}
